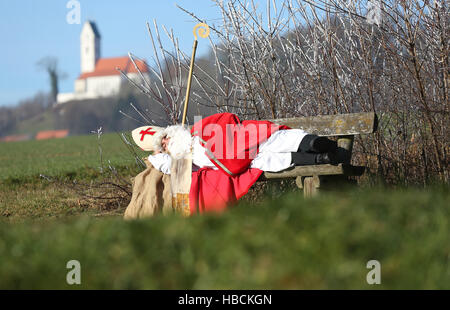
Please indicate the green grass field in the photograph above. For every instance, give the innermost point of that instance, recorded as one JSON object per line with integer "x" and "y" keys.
{"x": 282, "y": 243}
{"x": 58, "y": 156}
{"x": 25, "y": 194}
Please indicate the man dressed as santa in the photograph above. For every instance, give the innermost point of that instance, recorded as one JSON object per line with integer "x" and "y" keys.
{"x": 229, "y": 155}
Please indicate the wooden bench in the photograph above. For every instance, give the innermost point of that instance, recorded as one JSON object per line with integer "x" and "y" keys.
{"x": 341, "y": 126}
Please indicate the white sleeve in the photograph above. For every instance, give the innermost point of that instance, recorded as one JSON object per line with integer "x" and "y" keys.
{"x": 199, "y": 157}
{"x": 161, "y": 161}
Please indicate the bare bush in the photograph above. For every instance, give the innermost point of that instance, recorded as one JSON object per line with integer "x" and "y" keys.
{"x": 292, "y": 58}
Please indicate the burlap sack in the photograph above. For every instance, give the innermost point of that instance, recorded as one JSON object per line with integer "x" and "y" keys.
{"x": 151, "y": 194}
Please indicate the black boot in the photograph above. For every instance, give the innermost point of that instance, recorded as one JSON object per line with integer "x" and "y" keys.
{"x": 322, "y": 159}
{"x": 303, "y": 159}
{"x": 309, "y": 159}
{"x": 326, "y": 158}
{"x": 316, "y": 144}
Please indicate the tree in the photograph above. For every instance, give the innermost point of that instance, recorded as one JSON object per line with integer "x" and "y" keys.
{"x": 50, "y": 64}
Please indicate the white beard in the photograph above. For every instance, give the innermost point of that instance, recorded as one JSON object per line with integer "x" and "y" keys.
{"x": 180, "y": 142}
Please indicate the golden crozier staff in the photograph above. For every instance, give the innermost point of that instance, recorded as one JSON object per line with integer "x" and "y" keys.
{"x": 181, "y": 169}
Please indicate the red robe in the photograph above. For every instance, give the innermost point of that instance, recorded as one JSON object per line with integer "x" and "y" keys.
{"x": 231, "y": 146}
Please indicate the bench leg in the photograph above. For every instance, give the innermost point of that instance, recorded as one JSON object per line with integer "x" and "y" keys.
{"x": 311, "y": 186}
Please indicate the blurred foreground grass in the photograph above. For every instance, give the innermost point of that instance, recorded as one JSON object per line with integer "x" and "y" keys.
{"x": 290, "y": 243}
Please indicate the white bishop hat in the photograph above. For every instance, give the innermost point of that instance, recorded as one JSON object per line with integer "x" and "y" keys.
{"x": 149, "y": 138}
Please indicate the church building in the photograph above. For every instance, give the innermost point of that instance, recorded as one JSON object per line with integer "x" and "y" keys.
{"x": 99, "y": 77}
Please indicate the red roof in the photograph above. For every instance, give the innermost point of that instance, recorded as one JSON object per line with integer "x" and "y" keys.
{"x": 107, "y": 66}
{"x": 15, "y": 138}
{"x": 50, "y": 134}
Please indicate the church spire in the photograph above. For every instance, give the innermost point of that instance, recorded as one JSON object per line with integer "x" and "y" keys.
{"x": 90, "y": 46}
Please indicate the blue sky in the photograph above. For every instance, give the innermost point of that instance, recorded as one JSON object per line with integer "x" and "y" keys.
{"x": 31, "y": 30}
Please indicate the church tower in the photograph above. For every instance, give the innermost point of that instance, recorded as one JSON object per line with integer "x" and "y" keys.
{"x": 90, "y": 46}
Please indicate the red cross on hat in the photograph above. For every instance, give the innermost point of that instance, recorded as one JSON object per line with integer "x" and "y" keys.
{"x": 146, "y": 132}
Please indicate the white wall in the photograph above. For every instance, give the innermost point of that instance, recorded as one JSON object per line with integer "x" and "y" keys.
{"x": 65, "y": 97}
{"x": 80, "y": 86}
{"x": 99, "y": 86}
{"x": 103, "y": 86}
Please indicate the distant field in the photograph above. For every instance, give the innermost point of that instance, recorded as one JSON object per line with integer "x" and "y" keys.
{"x": 44, "y": 121}
{"x": 25, "y": 195}
{"x": 58, "y": 156}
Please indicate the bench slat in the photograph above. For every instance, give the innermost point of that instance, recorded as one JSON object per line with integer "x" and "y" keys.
{"x": 334, "y": 125}
{"x": 341, "y": 169}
